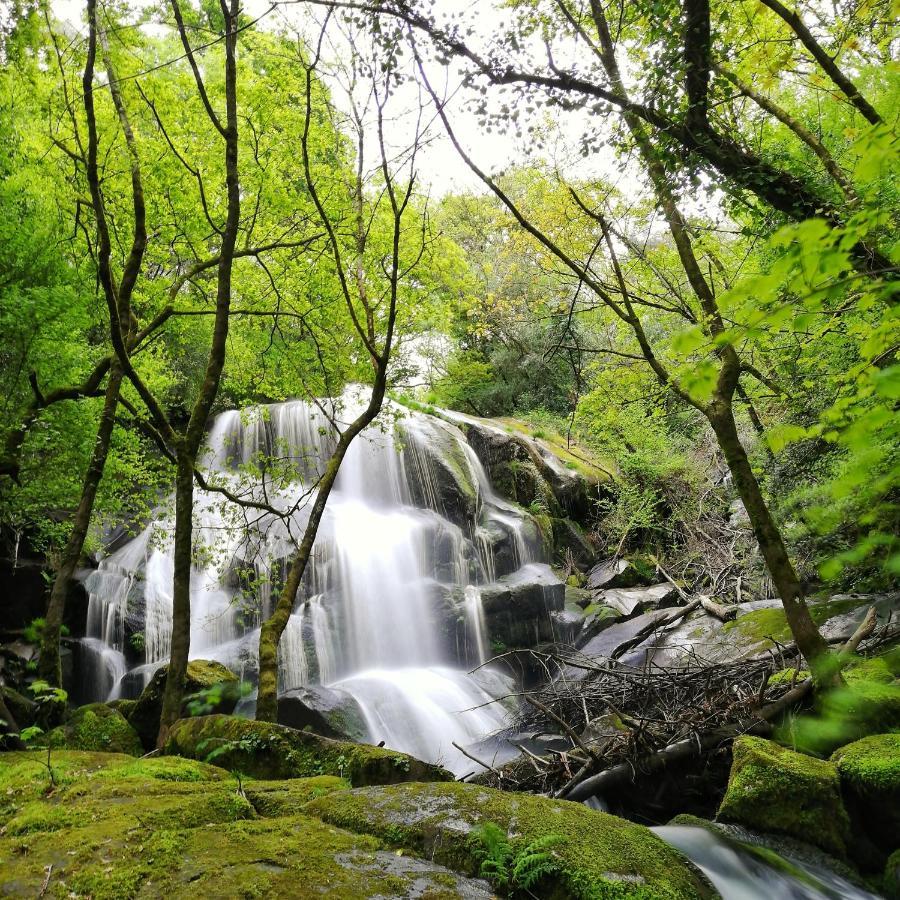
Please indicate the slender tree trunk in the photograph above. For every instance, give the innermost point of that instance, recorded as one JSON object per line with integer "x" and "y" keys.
{"x": 181, "y": 597}
{"x": 49, "y": 667}
{"x": 273, "y": 628}
{"x": 810, "y": 642}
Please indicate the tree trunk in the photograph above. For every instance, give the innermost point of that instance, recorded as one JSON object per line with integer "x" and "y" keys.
{"x": 809, "y": 641}
{"x": 49, "y": 667}
{"x": 181, "y": 596}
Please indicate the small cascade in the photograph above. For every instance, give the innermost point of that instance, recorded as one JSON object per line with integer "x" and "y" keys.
{"x": 390, "y": 608}
{"x": 738, "y": 873}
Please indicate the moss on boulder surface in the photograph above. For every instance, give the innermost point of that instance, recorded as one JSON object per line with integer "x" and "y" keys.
{"x": 202, "y": 674}
{"x": 891, "y": 881}
{"x": 775, "y": 789}
{"x": 266, "y": 750}
{"x": 115, "y": 828}
{"x": 598, "y": 855}
{"x": 870, "y": 777}
{"x": 97, "y": 727}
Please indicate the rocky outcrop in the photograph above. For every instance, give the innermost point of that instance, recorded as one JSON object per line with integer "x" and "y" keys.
{"x": 202, "y": 675}
{"x": 266, "y": 750}
{"x": 775, "y": 789}
{"x": 629, "y": 601}
{"x": 169, "y": 828}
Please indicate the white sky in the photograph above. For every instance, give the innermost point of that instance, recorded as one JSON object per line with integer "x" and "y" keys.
{"x": 440, "y": 167}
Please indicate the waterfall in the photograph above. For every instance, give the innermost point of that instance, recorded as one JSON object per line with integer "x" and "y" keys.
{"x": 389, "y": 610}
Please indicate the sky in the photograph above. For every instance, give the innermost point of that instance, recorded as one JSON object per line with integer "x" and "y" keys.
{"x": 440, "y": 167}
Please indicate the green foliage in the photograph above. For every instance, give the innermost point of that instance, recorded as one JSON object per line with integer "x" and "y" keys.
{"x": 513, "y": 866}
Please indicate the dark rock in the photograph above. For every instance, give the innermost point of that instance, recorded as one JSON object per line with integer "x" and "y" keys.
{"x": 266, "y": 750}
{"x": 22, "y": 708}
{"x": 597, "y": 619}
{"x": 329, "y": 712}
{"x": 611, "y": 641}
{"x": 517, "y": 607}
{"x": 201, "y": 674}
{"x": 568, "y": 536}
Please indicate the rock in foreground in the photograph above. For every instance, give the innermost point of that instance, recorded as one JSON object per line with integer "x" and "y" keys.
{"x": 266, "y": 750}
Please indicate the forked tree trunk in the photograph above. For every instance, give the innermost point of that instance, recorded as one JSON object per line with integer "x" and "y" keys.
{"x": 49, "y": 666}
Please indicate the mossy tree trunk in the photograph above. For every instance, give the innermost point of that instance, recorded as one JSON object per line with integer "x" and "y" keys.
{"x": 49, "y": 666}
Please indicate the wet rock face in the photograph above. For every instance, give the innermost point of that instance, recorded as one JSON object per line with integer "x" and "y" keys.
{"x": 518, "y": 608}
{"x": 331, "y": 713}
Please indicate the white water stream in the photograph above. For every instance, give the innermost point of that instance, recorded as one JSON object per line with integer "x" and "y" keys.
{"x": 389, "y": 610}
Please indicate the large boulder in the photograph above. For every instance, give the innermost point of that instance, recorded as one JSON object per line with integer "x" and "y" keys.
{"x": 869, "y": 770}
{"x": 116, "y": 828}
{"x": 97, "y": 727}
{"x": 774, "y": 789}
{"x": 267, "y": 750}
{"x": 518, "y": 607}
{"x": 595, "y": 855}
{"x": 202, "y": 675}
{"x": 329, "y": 712}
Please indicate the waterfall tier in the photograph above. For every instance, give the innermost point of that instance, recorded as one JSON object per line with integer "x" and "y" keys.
{"x": 416, "y": 557}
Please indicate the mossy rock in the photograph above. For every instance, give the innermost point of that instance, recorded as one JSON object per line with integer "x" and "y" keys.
{"x": 266, "y": 750}
{"x": 97, "y": 727}
{"x": 773, "y": 789}
{"x": 285, "y": 798}
{"x": 113, "y": 830}
{"x": 845, "y": 714}
{"x": 201, "y": 675}
{"x": 598, "y": 855}
{"x": 891, "y": 880}
{"x": 870, "y": 777}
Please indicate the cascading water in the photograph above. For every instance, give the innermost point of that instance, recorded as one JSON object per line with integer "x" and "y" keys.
{"x": 389, "y": 612}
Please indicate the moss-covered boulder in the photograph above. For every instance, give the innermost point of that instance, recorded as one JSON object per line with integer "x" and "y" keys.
{"x": 266, "y": 750}
{"x": 869, "y": 770}
{"x": 774, "y": 789}
{"x": 596, "y": 855}
{"x": 97, "y": 727}
{"x": 202, "y": 674}
{"x": 115, "y": 828}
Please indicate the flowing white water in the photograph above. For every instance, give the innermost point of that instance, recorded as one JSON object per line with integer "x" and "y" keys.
{"x": 738, "y": 874}
{"x": 390, "y": 606}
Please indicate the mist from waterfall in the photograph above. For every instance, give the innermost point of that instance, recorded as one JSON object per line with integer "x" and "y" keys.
{"x": 389, "y": 612}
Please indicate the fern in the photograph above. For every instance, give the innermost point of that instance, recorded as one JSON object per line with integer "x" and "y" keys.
{"x": 510, "y": 868}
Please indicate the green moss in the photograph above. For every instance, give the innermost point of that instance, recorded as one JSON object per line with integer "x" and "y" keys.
{"x": 789, "y": 676}
{"x": 283, "y": 798}
{"x": 97, "y": 727}
{"x": 599, "y": 856}
{"x": 197, "y": 840}
{"x": 266, "y": 750}
{"x": 874, "y": 669}
{"x": 202, "y": 674}
{"x": 774, "y": 789}
{"x": 871, "y": 765}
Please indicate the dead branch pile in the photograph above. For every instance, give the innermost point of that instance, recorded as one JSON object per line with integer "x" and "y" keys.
{"x": 622, "y": 722}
